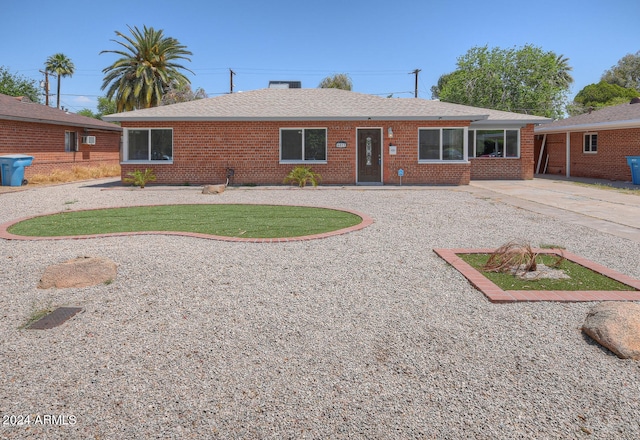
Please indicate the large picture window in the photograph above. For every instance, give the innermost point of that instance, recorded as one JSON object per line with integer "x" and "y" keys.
{"x": 303, "y": 144}
{"x": 590, "y": 143}
{"x": 148, "y": 144}
{"x": 494, "y": 143}
{"x": 442, "y": 144}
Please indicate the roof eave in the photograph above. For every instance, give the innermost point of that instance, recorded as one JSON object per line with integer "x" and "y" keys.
{"x": 630, "y": 123}
{"x": 295, "y": 118}
{"x": 65, "y": 123}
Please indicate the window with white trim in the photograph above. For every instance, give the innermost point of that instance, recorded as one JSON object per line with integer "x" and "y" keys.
{"x": 590, "y": 144}
{"x": 441, "y": 144}
{"x": 148, "y": 144}
{"x": 303, "y": 144}
{"x": 70, "y": 141}
{"x": 494, "y": 143}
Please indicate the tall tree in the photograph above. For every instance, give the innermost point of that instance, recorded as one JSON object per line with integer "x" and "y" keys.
{"x": 337, "y": 81}
{"x": 524, "y": 80}
{"x": 181, "y": 92}
{"x": 147, "y": 66}
{"x": 16, "y": 85}
{"x": 62, "y": 67}
{"x": 105, "y": 107}
{"x": 597, "y": 96}
{"x": 626, "y": 73}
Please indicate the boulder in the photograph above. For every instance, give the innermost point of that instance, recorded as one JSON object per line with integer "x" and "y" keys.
{"x": 616, "y": 325}
{"x": 79, "y": 272}
{"x": 213, "y": 189}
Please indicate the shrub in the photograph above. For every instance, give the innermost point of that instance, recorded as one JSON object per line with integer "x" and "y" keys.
{"x": 302, "y": 175}
{"x": 140, "y": 178}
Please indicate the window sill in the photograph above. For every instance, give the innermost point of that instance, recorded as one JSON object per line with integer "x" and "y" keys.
{"x": 459, "y": 162}
{"x": 303, "y": 162}
{"x": 494, "y": 158}
{"x": 149, "y": 162}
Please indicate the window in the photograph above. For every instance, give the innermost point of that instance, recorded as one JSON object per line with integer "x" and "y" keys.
{"x": 70, "y": 141}
{"x": 441, "y": 144}
{"x": 494, "y": 143}
{"x": 147, "y": 144}
{"x": 590, "y": 143}
{"x": 303, "y": 144}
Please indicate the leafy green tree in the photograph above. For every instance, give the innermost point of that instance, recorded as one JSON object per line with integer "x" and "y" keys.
{"x": 62, "y": 66}
{"x": 181, "y": 92}
{"x": 337, "y": 81}
{"x": 626, "y": 73}
{"x": 147, "y": 67}
{"x": 525, "y": 80}
{"x": 597, "y": 96}
{"x": 16, "y": 85}
{"x": 105, "y": 107}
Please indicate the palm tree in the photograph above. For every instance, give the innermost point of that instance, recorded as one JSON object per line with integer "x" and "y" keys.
{"x": 62, "y": 67}
{"x": 563, "y": 78}
{"x": 145, "y": 70}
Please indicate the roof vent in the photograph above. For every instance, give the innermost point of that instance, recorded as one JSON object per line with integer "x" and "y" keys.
{"x": 635, "y": 101}
{"x": 285, "y": 84}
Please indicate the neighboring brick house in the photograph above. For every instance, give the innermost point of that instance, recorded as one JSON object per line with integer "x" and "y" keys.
{"x": 592, "y": 144}
{"x": 347, "y": 137}
{"x": 55, "y": 138}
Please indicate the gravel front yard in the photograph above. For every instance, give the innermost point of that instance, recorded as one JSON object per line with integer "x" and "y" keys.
{"x": 363, "y": 335}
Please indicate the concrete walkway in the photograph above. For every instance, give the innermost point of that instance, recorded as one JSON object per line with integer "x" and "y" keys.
{"x": 605, "y": 210}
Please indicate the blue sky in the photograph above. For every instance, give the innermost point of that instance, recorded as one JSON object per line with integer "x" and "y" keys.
{"x": 378, "y": 43}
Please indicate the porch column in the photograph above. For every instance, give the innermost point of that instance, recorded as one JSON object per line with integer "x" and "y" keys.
{"x": 568, "y": 156}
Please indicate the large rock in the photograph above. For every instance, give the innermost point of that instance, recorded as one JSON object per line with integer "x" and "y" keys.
{"x": 79, "y": 272}
{"x": 616, "y": 325}
{"x": 213, "y": 189}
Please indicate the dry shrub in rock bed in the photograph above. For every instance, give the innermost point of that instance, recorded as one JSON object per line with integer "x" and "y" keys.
{"x": 79, "y": 272}
{"x": 616, "y": 326}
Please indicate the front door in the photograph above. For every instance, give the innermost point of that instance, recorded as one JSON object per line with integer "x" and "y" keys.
{"x": 369, "y": 155}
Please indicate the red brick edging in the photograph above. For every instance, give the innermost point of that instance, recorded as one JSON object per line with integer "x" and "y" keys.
{"x": 366, "y": 221}
{"x": 497, "y": 295}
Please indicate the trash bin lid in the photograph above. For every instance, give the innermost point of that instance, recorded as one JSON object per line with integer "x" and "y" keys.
{"x": 16, "y": 156}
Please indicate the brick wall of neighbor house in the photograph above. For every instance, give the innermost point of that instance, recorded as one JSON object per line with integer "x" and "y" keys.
{"x": 45, "y": 142}
{"x": 204, "y": 149}
{"x": 609, "y": 162}
{"x": 491, "y": 168}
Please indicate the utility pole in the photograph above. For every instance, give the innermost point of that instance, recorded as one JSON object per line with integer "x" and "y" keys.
{"x": 415, "y": 72}
{"x": 231, "y": 73}
{"x": 46, "y": 86}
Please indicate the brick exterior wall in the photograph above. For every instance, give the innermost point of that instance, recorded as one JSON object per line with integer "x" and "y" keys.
{"x": 608, "y": 163}
{"x": 203, "y": 150}
{"x": 489, "y": 168}
{"x": 45, "y": 142}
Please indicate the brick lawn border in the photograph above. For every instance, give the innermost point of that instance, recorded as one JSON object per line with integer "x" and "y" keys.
{"x": 366, "y": 221}
{"x": 497, "y": 295}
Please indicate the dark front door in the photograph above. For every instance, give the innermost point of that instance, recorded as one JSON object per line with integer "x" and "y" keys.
{"x": 369, "y": 155}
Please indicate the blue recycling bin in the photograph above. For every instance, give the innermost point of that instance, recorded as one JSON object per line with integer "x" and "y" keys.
{"x": 12, "y": 168}
{"x": 634, "y": 164}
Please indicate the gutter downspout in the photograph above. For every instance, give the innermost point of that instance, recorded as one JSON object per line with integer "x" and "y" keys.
{"x": 568, "y": 155}
{"x": 544, "y": 142}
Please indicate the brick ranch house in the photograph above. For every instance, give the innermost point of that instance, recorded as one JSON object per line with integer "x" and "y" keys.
{"x": 592, "y": 144}
{"x": 347, "y": 137}
{"x": 55, "y": 138}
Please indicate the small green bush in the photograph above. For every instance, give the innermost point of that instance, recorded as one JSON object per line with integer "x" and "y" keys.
{"x": 302, "y": 175}
{"x": 140, "y": 178}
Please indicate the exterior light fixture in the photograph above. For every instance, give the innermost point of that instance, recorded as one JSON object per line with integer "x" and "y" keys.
{"x": 390, "y": 132}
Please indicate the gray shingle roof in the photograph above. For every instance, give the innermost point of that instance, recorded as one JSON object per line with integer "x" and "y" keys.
{"x": 318, "y": 104}
{"x": 15, "y": 109}
{"x": 618, "y": 116}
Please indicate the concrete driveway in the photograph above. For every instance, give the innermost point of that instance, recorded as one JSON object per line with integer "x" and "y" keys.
{"x": 606, "y": 210}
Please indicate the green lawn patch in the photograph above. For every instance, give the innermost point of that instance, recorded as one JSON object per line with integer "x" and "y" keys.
{"x": 582, "y": 278}
{"x": 247, "y": 221}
